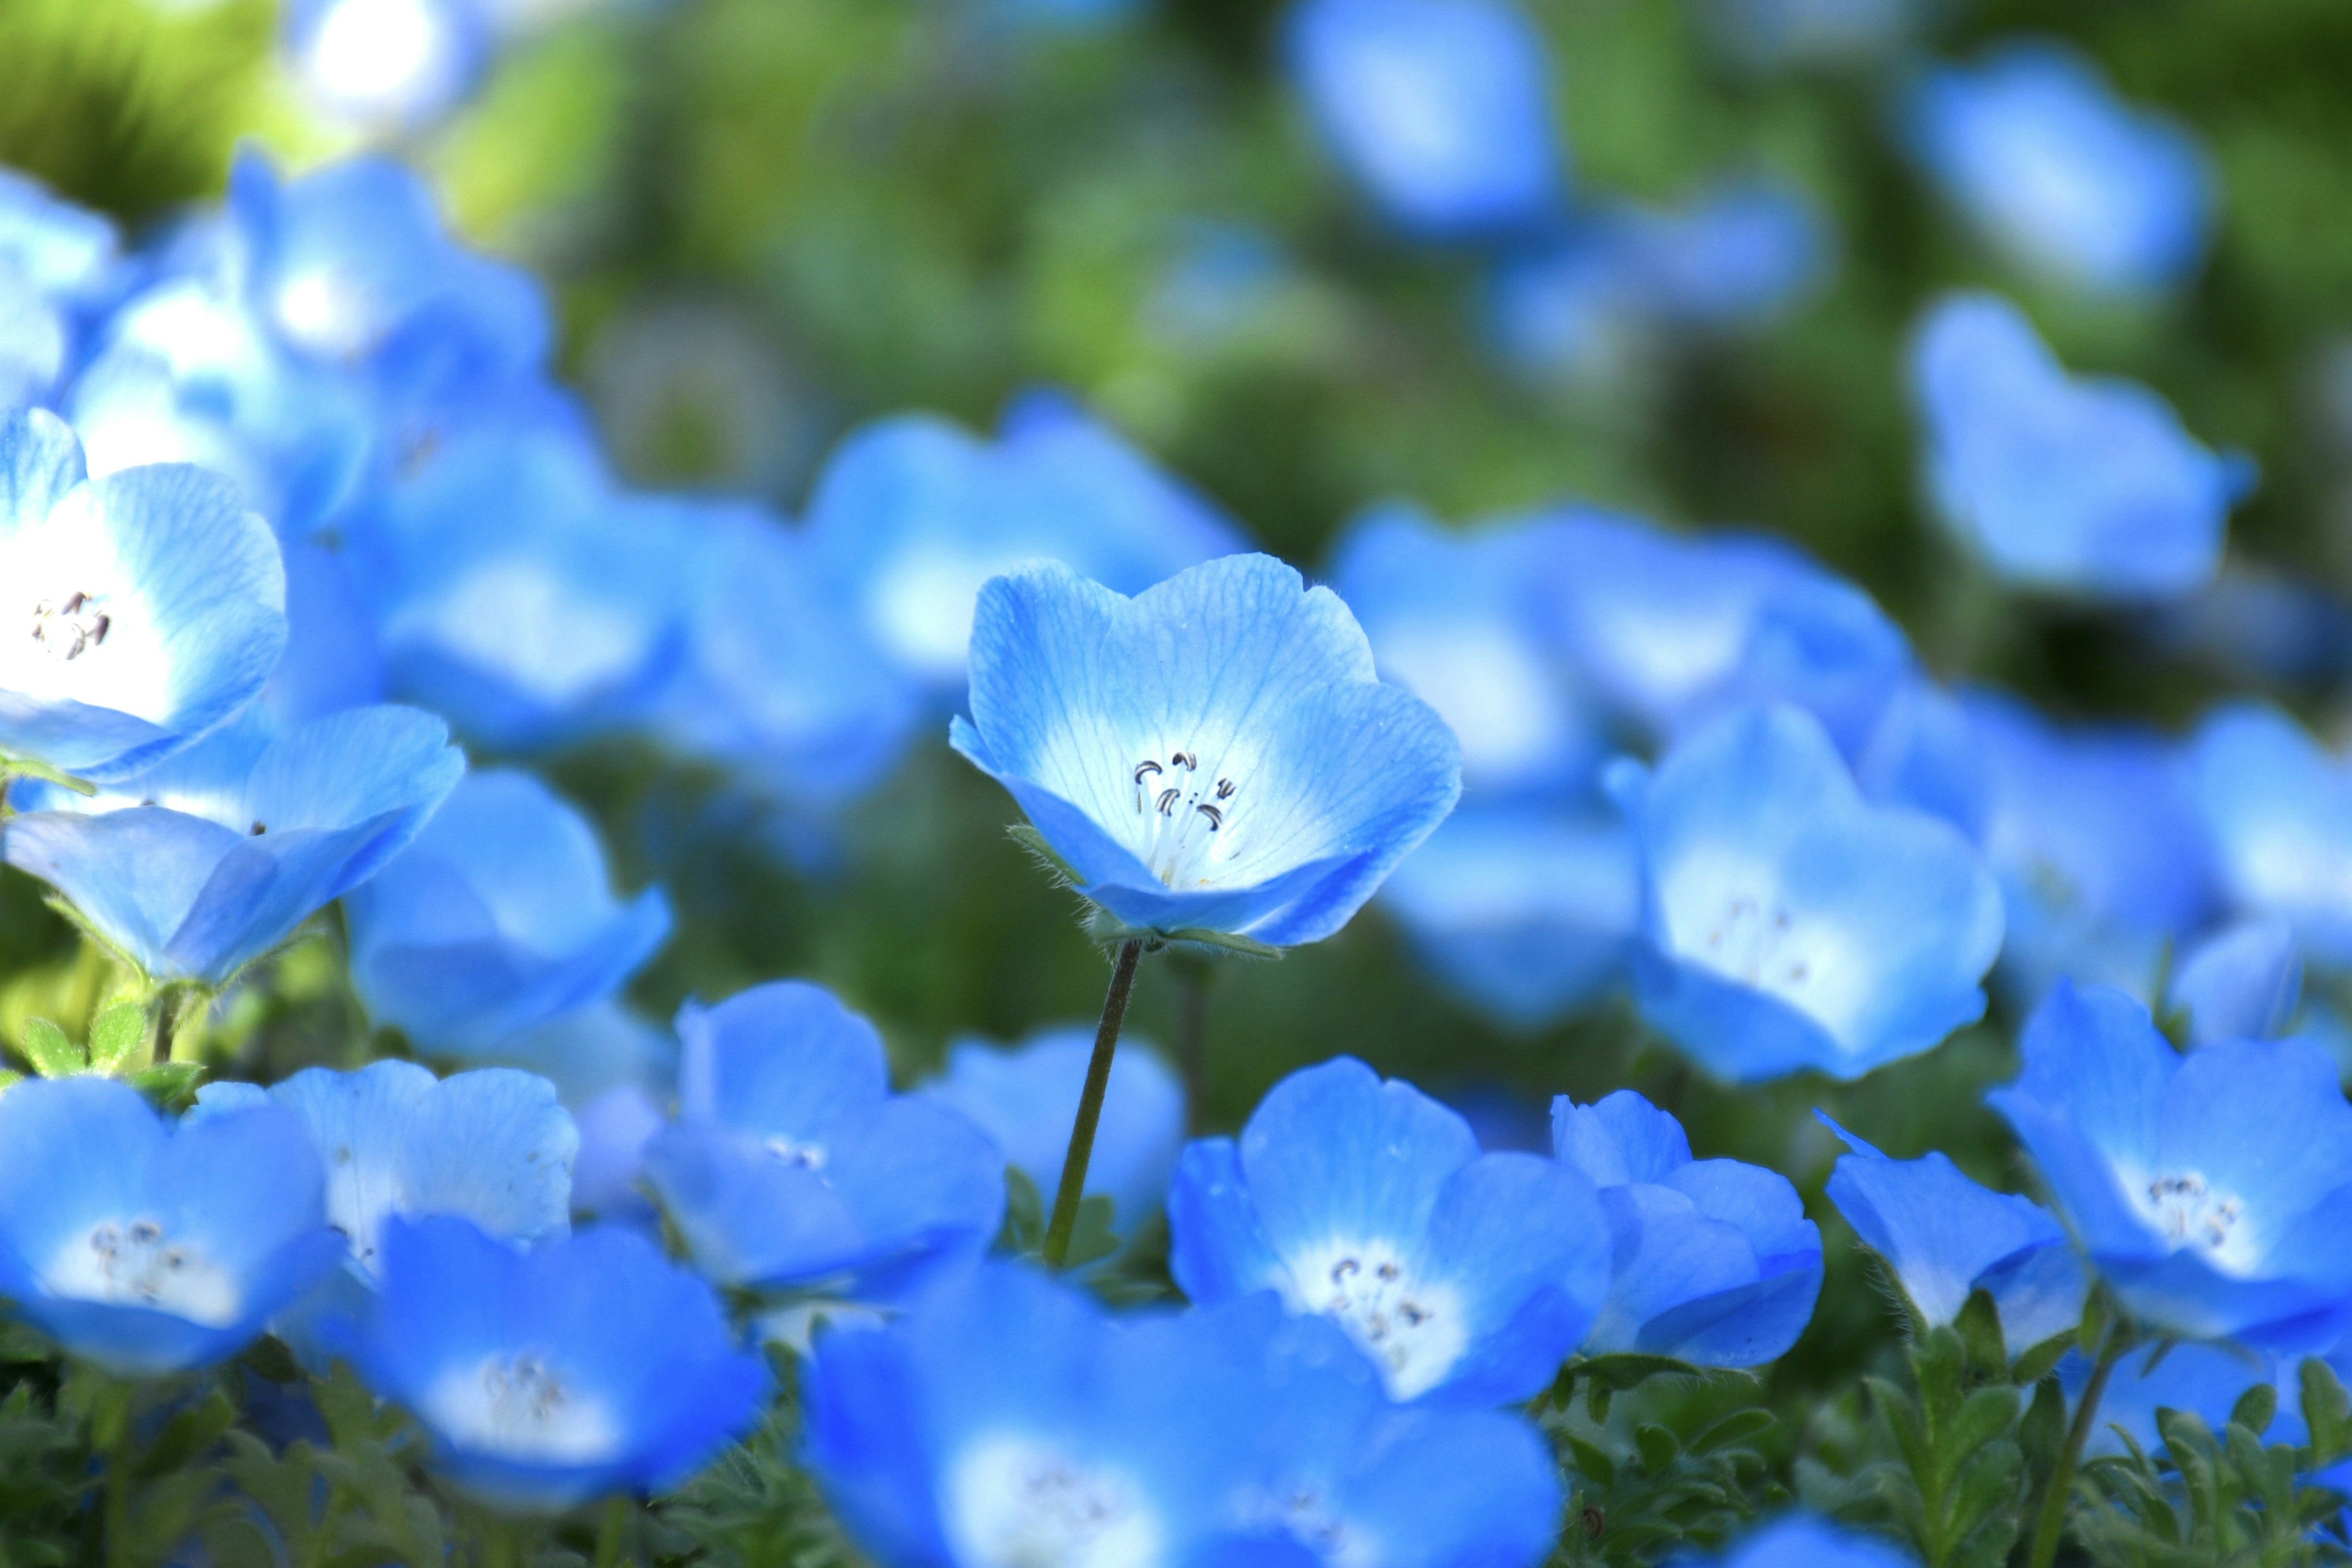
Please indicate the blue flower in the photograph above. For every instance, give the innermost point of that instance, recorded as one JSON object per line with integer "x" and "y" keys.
{"x": 792, "y": 1163}
{"x": 1793, "y": 925}
{"x": 1465, "y": 1277}
{"x": 139, "y": 611}
{"x": 1739, "y": 252}
{"x": 2202, "y": 1380}
{"x": 2279, "y": 811}
{"x": 146, "y": 1249}
{"x": 1527, "y": 910}
{"x": 913, "y": 514}
{"x": 57, "y": 266}
{"x": 1213, "y": 756}
{"x": 2213, "y": 1191}
{"x": 332, "y": 660}
{"x": 2084, "y": 485}
{"x": 2034, "y": 148}
{"x": 1944, "y": 1237}
{"x": 1006, "y": 1419}
{"x": 198, "y": 867}
{"x": 1800, "y": 1541}
{"x": 1674, "y": 631}
{"x": 1440, "y": 108}
{"x": 2239, "y": 983}
{"x": 390, "y": 64}
{"x": 585, "y": 1366}
{"x": 499, "y": 918}
{"x": 1715, "y": 1261}
{"x": 1026, "y": 1098}
{"x": 1774, "y": 33}
{"x": 1459, "y": 619}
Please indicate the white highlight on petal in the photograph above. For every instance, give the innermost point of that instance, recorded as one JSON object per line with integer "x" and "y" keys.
{"x": 1413, "y": 1329}
{"x": 521, "y": 1406}
{"x": 921, "y": 607}
{"x": 1730, "y": 913}
{"x": 379, "y": 55}
{"x": 1487, "y": 686}
{"x": 138, "y": 1263}
{"x": 1019, "y": 1501}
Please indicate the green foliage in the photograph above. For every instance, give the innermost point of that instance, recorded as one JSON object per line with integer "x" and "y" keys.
{"x": 755, "y": 1508}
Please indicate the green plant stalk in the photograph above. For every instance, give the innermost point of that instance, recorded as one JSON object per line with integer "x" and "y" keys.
{"x": 110, "y": 1431}
{"x": 2050, "y": 1528}
{"x": 609, "y": 1530}
{"x": 1090, "y": 1102}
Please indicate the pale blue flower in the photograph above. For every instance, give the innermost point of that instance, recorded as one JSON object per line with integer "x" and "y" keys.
{"x": 2278, "y": 809}
{"x": 1214, "y": 755}
{"x": 386, "y": 65}
{"x": 58, "y": 265}
{"x": 2204, "y": 1380}
{"x": 1793, "y": 925}
{"x": 2242, "y": 983}
{"x": 1801, "y": 1540}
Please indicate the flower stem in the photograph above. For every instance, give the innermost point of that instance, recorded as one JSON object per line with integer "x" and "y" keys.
{"x": 609, "y": 1530}
{"x": 2051, "y": 1525}
{"x": 1090, "y": 1102}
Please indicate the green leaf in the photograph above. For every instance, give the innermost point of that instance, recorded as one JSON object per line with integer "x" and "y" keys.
{"x": 45, "y": 1045}
{"x": 1657, "y": 1446}
{"x": 1978, "y": 1327}
{"x": 1986, "y": 1415}
{"x": 1733, "y": 1428}
{"x": 8, "y": 1077}
{"x": 116, "y": 1035}
{"x": 1592, "y": 1461}
{"x": 2040, "y": 1361}
{"x": 169, "y": 1084}
{"x": 1024, "y": 1213}
{"x": 2327, "y": 1411}
{"x": 1092, "y": 1237}
{"x": 2255, "y": 1407}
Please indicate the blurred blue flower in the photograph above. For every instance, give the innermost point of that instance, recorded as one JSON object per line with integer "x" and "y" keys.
{"x": 792, "y": 1164}
{"x": 500, "y": 919}
{"x": 1213, "y": 757}
{"x": 1801, "y": 1540}
{"x": 388, "y": 66}
{"x": 332, "y": 660}
{"x": 1026, "y": 1100}
{"x": 912, "y": 514}
{"x": 1676, "y": 630}
{"x": 198, "y": 867}
{"x": 1465, "y": 1277}
{"x": 149, "y": 1249}
{"x": 1441, "y": 109}
{"x": 1459, "y": 619}
{"x": 57, "y": 266}
{"x": 592, "y": 1050}
{"x": 2213, "y": 1192}
{"x": 2087, "y": 486}
{"x": 2278, "y": 809}
{"x": 1715, "y": 1261}
{"x": 142, "y": 609}
{"x": 1944, "y": 1237}
{"x": 588, "y": 1365}
{"x": 2032, "y": 145}
{"x": 2242, "y": 983}
{"x": 614, "y": 1128}
{"x": 2257, "y": 625}
{"x": 2204, "y": 1380}
{"x": 1779, "y": 33}
{"x": 1527, "y": 910}
{"x": 1793, "y": 925}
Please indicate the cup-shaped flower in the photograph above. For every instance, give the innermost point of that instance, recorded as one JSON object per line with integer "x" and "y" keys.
{"x": 792, "y": 1163}
{"x": 913, "y": 515}
{"x": 1026, "y": 1100}
{"x": 148, "y": 1248}
{"x": 585, "y": 1366}
{"x": 386, "y": 65}
{"x": 2036, "y": 151}
{"x": 1801, "y": 1540}
{"x": 57, "y": 266}
{"x": 136, "y": 611}
{"x": 2242, "y": 983}
{"x": 1714, "y": 1261}
{"x": 2213, "y": 1192}
{"x": 1214, "y": 757}
{"x": 197, "y": 868}
{"x": 1465, "y": 1277}
{"x": 1946, "y": 1237}
{"x": 1440, "y": 108}
{"x": 2278, "y": 809}
{"x": 2087, "y": 486}
{"x": 499, "y": 919}
{"x": 1793, "y": 925}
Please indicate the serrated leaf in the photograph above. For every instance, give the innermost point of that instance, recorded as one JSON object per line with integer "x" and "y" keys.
{"x": 116, "y": 1035}
{"x": 51, "y": 1054}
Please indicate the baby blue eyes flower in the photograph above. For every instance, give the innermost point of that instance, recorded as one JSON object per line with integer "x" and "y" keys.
{"x": 148, "y": 1249}
{"x": 2279, "y": 809}
{"x": 2038, "y": 153}
{"x": 793, "y": 1164}
{"x": 2239, "y": 983}
{"x": 1440, "y": 108}
{"x": 2087, "y": 486}
{"x": 1798, "y": 1540}
{"x": 393, "y": 64}
{"x": 1026, "y": 1098}
{"x": 1944, "y": 1237}
{"x": 587, "y": 1366}
{"x": 136, "y": 611}
{"x": 58, "y": 265}
{"x": 1465, "y": 1277}
{"x": 500, "y": 919}
{"x": 1715, "y": 1261}
{"x": 199, "y": 867}
{"x": 1793, "y": 925}
{"x": 1214, "y": 757}
{"x": 2213, "y": 1191}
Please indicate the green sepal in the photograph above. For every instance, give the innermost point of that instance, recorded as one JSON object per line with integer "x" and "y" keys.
{"x": 2328, "y": 1412}
{"x": 25, "y": 767}
{"x": 1032, "y": 840}
{"x": 10, "y": 1079}
{"x": 1024, "y": 1230}
{"x": 2255, "y": 1407}
{"x": 2042, "y": 1360}
{"x": 171, "y": 1084}
{"x": 51, "y": 1054}
{"x": 1978, "y": 1326}
{"x": 1092, "y": 1237}
{"x": 116, "y": 1035}
{"x": 1109, "y": 931}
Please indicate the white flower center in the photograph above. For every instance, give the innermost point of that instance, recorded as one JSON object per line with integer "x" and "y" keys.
{"x": 784, "y": 1152}
{"x": 1412, "y": 1329}
{"x": 519, "y": 1406}
{"x": 2189, "y": 1212}
{"x": 1016, "y": 1502}
{"x": 1755, "y": 944}
{"x": 136, "y": 1263}
{"x": 70, "y": 626}
{"x": 1187, "y": 812}
{"x": 1306, "y": 1518}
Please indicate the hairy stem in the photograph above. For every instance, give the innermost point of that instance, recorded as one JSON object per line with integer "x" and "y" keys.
{"x": 1090, "y": 1102}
